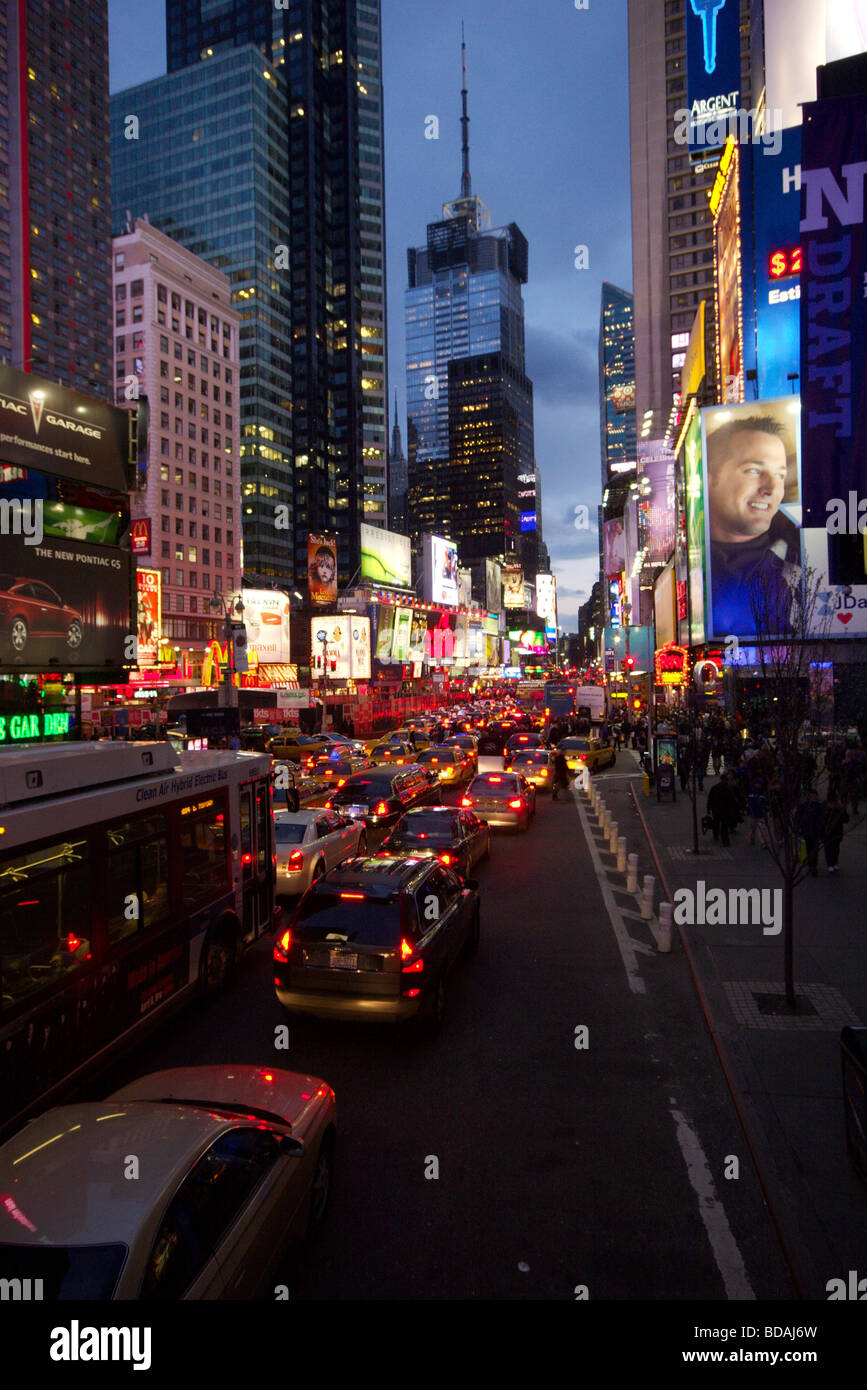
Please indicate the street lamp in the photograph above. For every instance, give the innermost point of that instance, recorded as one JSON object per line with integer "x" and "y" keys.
{"x": 237, "y": 606}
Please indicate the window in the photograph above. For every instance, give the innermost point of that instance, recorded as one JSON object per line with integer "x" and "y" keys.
{"x": 203, "y": 858}
{"x": 45, "y": 909}
{"x": 136, "y": 874}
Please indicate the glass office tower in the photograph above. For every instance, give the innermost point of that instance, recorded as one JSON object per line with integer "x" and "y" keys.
{"x": 616, "y": 378}
{"x": 209, "y": 170}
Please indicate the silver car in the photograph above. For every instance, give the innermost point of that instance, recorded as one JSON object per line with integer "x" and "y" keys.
{"x": 312, "y": 841}
{"x": 233, "y": 1162}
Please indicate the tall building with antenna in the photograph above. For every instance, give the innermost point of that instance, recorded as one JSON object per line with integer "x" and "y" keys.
{"x": 469, "y": 401}
{"x": 397, "y": 479}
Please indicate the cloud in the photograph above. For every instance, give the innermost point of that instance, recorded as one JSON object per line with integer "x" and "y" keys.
{"x": 563, "y": 367}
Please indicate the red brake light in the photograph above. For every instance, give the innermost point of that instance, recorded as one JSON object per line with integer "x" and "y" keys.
{"x": 327, "y": 806}
{"x": 358, "y": 896}
{"x": 516, "y": 804}
{"x": 381, "y": 810}
{"x": 466, "y": 801}
{"x": 400, "y": 761}
{"x": 341, "y": 783}
{"x": 296, "y": 859}
{"x": 413, "y": 969}
{"x": 73, "y": 942}
{"x": 283, "y": 947}
{"x": 445, "y": 859}
{"x": 246, "y": 858}
{"x": 405, "y": 949}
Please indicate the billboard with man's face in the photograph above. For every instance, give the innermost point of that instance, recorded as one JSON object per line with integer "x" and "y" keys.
{"x": 752, "y": 504}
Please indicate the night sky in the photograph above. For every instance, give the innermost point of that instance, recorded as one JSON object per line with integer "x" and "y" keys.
{"x": 549, "y": 149}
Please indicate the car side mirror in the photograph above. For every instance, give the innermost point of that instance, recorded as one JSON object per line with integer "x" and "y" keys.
{"x": 291, "y": 1147}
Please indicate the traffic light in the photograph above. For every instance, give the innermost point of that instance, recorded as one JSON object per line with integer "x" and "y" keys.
{"x": 627, "y": 663}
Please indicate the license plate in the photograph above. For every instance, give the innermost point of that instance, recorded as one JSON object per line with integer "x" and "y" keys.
{"x": 356, "y": 810}
{"x": 342, "y": 960}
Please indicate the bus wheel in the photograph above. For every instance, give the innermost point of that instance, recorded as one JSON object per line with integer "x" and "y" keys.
{"x": 218, "y": 958}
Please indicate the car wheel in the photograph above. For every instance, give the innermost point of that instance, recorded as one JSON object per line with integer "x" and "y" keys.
{"x": 472, "y": 946}
{"x": 320, "y": 1187}
{"x": 18, "y": 635}
{"x": 217, "y": 960}
{"x": 74, "y": 636}
{"x": 361, "y": 847}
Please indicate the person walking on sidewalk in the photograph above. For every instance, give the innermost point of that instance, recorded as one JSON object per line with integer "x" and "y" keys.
{"x": 757, "y": 810}
{"x": 836, "y": 816}
{"x": 561, "y": 775}
{"x": 810, "y": 823}
{"x": 722, "y": 807}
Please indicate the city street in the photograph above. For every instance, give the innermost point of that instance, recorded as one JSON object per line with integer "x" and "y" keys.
{"x": 559, "y": 1166}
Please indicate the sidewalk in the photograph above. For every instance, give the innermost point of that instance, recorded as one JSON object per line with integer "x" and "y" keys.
{"x": 784, "y": 1071}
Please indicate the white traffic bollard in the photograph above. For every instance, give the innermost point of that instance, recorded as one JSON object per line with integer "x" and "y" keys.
{"x": 606, "y": 821}
{"x": 663, "y": 937}
{"x": 613, "y": 836}
{"x": 621, "y": 855}
{"x": 632, "y": 874}
{"x": 648, "y": 885}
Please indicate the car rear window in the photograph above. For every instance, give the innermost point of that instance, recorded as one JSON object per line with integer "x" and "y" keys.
{"x": 289, "y": 832}
{"x": 579, "y": 745}
{"x": 418, "y": 829}
{"x": 361, "y": 920}
{"x": 530, "y": 757}
{"x": 68, "y": 1272}
{"x": 439, "y": 754}
{"x": 495, "y": 782}
{"x": 363, "y": 789}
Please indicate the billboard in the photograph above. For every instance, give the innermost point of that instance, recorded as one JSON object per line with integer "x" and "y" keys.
{"x": 417, "y": 635}
{"x": 613, "y": 546}
{"x": 777, "y": 262}
{"x": 149, "y": 617}
{"x": 48, "y": 427}
{"x": 63, "y": 605}
{"x": 493, "y": 586}
{"x": 664, "y": 607}
{"x": 752, "y": 515}
{"x": 713, "y": 72}
{"x": 342, "y": 640}
{"x": 465, "y": 587}
{"x": 402, "y": 634}
{"x": 833, "y": 307}
{"x": 140, "y": 535}
{"x": 656, "y": 501}
{"x": 385, "y": 632}
{"x": 726, "y": 209}
{"x": 440, "y": 569}
{"x": 528, "y": 521}
{"x": 266, "y": 618}
{"x": 322, "y": 568}
{"x": 386, "y": 558}
{"x": 513, "y": 586}
{"x": 546, "y": 600}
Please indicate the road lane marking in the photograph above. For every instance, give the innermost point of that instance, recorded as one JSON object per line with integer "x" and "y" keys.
{"x": 625, "y": 944}
{"x": 726, "y": 1254}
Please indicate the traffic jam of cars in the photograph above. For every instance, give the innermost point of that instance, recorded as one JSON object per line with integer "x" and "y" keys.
{"x": 378, "y": 846}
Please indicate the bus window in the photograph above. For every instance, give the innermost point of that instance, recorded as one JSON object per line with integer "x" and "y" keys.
{"x": 246, "y": 833}
{"x": 262, "y": 809}
{"x": 45, "y": 896}
{"x": 204, "y": 865}
{"x": 137, "y": 875}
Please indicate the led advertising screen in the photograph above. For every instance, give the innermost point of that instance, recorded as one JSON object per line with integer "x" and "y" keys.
{"x": 728, "y": 283}
{"x": 385, "y": 632}
{"x": 440, "y": 562}
{"x": 656, "y": 501}
{"x": 266, "y": 618}
{"x": 359, "y": 647}
{"x": 613, "y": 546}
{"x": 48, "y": 427}
{"x": 513, "y": 586}
{"x": 329, "y": 643}
{"x": 63, "y": 605}
{"x": 713, "y": 72}
{"x": 140, "y": 535}
{"x": 493, "y": 586}
{"x": 777, "y": 262}
{"x": 386, "y": 558}
{"x": 695, "y": 546}
{"x": 322, "y": 568}
{"x": 402, "y": 634}
{"x": 417, "y": 635}
{"x": 752, "y": 503}
{"x": 149, "y": 617}
{"x": 546, "y": 601}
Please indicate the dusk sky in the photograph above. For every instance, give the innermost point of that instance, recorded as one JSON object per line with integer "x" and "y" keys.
{"x": 549, "y": 149}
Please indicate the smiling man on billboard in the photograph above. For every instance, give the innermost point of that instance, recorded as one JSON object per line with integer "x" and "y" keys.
{"x": 754, "y": 547}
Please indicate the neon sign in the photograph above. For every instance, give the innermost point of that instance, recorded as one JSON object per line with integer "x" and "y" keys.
{"x": 16, "y": 728}
{"x": 783, "y": 264}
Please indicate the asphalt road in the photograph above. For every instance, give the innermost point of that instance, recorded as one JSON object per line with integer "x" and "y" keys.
{"x": 559, "y": 1167}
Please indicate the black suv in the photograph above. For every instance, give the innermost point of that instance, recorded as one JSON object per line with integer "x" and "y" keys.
{"x": 375, "y": 939}
{"x": 380, "y": 795}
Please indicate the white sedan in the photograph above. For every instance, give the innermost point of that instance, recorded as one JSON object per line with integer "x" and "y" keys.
{"x": 312, "y": 841}
{"x": 231, "y": 1163}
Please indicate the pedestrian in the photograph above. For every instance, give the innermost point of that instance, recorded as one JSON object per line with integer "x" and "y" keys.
{"x": 810, "y": 824}
{"x": 836, "y": 816}
{"x": 684, "y": 760}
{"x": 234, "y": 743}
{"x": 561, "y": 774}
{"x": 722, "y": 807}
{"x": 757, "y": 810}
{"x": 618, "y": 737}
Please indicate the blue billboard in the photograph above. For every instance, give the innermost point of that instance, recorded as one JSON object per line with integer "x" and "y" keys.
{"x": 713, "y": 72}
{"x": 774, "y": 350}
{"x": 528, "y": 521}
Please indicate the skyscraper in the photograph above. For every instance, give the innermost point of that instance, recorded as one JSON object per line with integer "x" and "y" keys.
{"x": 397, "y": 478}
{"x": 55, "y": 206}
{"x": 469, "y": 401}
{"x": 616, "y": 379}
{"x": 329, "y": 54}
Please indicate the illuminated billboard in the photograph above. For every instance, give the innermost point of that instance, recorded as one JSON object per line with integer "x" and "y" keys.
{"x": 340, "y": 645}
{"x": 546, "y": 601}
{"x": 656, "y": 514}
{"x": 149, "y": 617}
{"x": 266, "y": 618}
{"x": 322, "y": 568}
{"x": 713, "y": 72}
{"x": 752, "y": 516}
{"x": 776, "y": 258}
{"x": 48, "y": 427}
{"x": 386, "y": 558}
{"x": 695, "y": 537}
{"x": 402, "y": 634}
{"x": 440, "y": 570}
{"x": 385, "y": 632}
{"x": 493, "y": 586}
{"x": 513, "y": 586}
{"x": 725, "y": 206}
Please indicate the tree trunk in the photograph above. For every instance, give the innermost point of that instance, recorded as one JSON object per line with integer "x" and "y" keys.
{"x": 789, "y": 934}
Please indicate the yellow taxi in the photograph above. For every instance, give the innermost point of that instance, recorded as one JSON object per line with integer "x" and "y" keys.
{"x": 592, "y": 753}
{"x": 448, "y": 761}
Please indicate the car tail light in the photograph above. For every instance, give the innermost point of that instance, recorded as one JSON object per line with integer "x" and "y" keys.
{"x": 400, "y": 761}
{"x": 406, "y": 950}
{"x": 246, "y": 858}
{"x": 359, "y": 897}
{"x": 466, "y": 801}
{"x": 414, "y": 968}
{"x": 495, "y": 779}
{"x": 296, "y": 859}
{"x": 543, "y": 772}
{"x": 381, "y": 810}
{"x": 509, "y": 769}
{"x": 283, "y": 947}
{"x": 341, "y": 783}
{"x": 516, "y": 803}
{"x": 327, "y": 806}
{"x": 445, "y": 859}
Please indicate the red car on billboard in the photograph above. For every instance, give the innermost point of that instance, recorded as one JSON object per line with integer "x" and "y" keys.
{"x": 31, "y": 611}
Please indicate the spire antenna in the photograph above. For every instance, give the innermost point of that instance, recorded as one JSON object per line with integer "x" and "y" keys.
{"x": 466, "y": 187}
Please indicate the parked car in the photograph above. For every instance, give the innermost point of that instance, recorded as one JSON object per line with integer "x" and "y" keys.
{"x": 32, "y": 612}
{"x": 233, "y": 1163}
{"x": 312, "y": 841}
{"x": 376, "y": 940}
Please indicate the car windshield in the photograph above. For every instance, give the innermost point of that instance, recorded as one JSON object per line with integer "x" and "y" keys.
{"x": 68, "y": 1272}
{"x": 289, "y": 832}
{"x": 358, "y": 921}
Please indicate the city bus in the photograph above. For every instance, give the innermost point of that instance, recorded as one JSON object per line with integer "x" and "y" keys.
{"x": 131, "y": 877}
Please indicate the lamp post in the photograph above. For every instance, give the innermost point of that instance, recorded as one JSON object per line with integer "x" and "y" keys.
{"x": 230, "y": 698}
